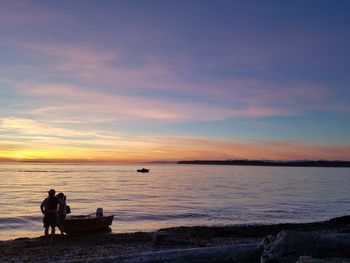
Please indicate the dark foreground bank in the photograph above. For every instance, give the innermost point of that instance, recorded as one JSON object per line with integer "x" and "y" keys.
{"x": 309, "y": 242}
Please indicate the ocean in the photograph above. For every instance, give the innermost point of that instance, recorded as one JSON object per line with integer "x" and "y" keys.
{"x": 172, "y": 194}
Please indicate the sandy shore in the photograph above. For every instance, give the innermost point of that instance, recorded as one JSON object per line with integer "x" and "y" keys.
{"x": 112, "y": 244}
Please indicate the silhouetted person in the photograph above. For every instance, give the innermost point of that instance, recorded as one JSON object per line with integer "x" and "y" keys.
{"x": 62, "y": 211}
{"x": 49, "y": 209}
{"x": 99, "y": 212}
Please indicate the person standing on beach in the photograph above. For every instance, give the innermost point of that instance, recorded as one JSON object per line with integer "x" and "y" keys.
{"x": 49, "y": 209}
{"x": 62, "y": 211}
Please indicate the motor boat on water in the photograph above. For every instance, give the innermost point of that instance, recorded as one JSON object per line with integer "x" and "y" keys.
{"x": 143, "y": 170}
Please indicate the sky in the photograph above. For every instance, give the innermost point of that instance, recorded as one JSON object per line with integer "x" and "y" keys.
{"x": 135, "y": 81}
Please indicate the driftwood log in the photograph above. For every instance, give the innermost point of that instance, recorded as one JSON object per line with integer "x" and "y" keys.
{"x": 306, "y": 259}
{"x": 289, "y": 246}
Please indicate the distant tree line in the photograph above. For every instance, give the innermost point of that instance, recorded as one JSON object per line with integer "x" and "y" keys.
{"x": 302, "y": 163}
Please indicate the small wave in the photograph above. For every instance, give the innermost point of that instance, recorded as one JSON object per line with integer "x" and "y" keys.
{"x": 9, "y": 223}
{"x": 64, "y": 171}
{"x": 160, "y": 217}
{"x": 19, "y": 220}
{"x": 43, "y": 171}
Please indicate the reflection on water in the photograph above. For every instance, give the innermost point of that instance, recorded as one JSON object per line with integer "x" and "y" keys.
{"x": 172, "y": 195}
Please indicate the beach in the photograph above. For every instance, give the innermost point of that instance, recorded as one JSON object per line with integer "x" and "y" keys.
{"x": 243, "y": 242}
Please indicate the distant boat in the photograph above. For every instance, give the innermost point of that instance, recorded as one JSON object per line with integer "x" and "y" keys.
{"x": 87, "y": 223}
{"x": 143, "y": 170}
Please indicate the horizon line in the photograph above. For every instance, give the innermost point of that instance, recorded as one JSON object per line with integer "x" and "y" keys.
{"x": 160, "y": 161}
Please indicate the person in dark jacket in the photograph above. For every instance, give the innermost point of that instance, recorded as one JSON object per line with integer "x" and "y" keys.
{"x": 49, "y": 209}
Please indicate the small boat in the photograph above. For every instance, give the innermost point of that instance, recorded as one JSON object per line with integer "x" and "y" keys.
{"x": 86, "y": 223}
{"x": 143, "y": 170}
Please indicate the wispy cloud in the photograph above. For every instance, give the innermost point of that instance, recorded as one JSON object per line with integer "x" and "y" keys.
{"x": 78, "y": 100}
{"x": 70, "y": 57}
{"x": 98, "y": 66}
{"x": 103, "y": 67}
{"x": 30, "y": 127}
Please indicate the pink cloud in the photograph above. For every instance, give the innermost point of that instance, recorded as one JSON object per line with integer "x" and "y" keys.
{"x": 242, "y": 97}
{"x": 78, "y": 101}
{"x": 101, "y": 67}
{"x": 76, "y": 54}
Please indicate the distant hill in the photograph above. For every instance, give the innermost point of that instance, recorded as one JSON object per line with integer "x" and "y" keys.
{"x": 302, "y": 163}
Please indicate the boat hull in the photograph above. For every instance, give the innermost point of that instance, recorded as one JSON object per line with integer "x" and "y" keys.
{"x": 143, "y": 170}
{"x": 85, "y": 224}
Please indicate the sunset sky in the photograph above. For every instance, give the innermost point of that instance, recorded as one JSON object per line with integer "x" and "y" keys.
{"x": 121, "y": 81}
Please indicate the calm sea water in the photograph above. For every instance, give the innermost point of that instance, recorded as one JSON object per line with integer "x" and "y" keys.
{"x": 172, "y": 195}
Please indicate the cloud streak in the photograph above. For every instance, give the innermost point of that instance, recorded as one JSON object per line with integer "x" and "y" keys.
{"x": 78, "y": 100}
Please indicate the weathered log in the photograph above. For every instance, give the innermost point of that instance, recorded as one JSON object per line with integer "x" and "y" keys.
{"x": 288, "y": 246}
{"x": 306, "y": 259}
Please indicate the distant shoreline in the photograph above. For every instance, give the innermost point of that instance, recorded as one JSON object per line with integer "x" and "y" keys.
{"x": 307, "y": 163}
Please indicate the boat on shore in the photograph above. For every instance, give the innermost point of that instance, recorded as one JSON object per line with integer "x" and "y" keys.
{"x": 143, "y": 170}
{"x": 87, "y": 223}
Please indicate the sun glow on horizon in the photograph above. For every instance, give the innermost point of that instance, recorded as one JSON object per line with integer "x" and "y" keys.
{"x": 164, "y": 149}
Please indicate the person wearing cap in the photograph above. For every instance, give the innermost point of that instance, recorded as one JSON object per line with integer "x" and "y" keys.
{"x": 49, "y": 209}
